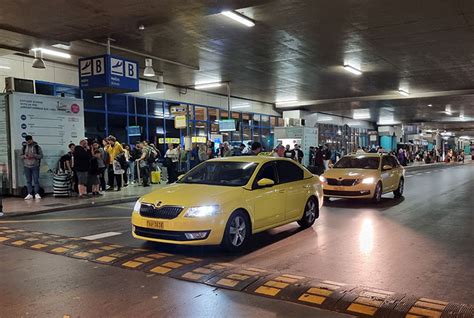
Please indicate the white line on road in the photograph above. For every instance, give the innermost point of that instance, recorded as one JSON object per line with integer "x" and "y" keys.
{"x": 427, "y": 172}
{"x": 100, "y": 236}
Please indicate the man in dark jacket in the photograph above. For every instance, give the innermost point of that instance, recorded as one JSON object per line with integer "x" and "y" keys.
{"x": 32, "y": 155}
{"x": 82, "y": 158}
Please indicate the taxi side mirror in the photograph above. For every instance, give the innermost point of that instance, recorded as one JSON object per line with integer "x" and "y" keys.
{"x": 264, "y": 183}
{"x": 387, "y": 167}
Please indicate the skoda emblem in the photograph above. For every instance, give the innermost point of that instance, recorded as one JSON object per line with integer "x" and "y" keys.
{"x": 158, "y": 204}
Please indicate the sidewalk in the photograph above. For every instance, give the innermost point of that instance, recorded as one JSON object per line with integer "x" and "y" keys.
{"x": 13, "y": 206}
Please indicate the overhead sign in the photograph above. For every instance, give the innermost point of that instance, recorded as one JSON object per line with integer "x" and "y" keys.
{"x": 227, "y": 125}
{"x": 108, "y": 74}
{"x": 178, "y": 109}
{"x": 180, "y": 122}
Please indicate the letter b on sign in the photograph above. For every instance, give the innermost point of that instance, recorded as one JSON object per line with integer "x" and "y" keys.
{"x": 98, "y": 66}
{"x": 130, "y": 70}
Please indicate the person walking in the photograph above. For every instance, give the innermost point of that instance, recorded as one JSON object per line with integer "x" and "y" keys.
{"x": 113, "y": 148}
{"x": 226, "y": 151}
{"x": 202, "y": 153}
{"x": 326, "y": 156}
{"x": 142, "y": 163}
{"x": 32, "y": 155}
{"x": 126, "y": 166}
{"x": 288, "y": 153}
{"x": 82, "y": 158}
{"x": 298, "y": 154}
{"x": 194, "y": 156}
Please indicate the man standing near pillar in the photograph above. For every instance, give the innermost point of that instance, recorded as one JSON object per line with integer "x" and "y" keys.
{"x": 32, "y": 155}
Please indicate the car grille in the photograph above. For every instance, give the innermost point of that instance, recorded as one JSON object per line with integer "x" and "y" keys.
{"x": 164, "y": 235}
{"x": 164, "y": 212}
{"x": 346, "y": 193}
{"x": 343, "y": 182}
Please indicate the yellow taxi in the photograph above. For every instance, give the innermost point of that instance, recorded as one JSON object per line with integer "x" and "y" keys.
{"x": 364, "y": 176}
{"x": 224, "y": 201}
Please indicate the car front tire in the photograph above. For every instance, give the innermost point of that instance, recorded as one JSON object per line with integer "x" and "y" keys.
{"x": 377, "y": 193}
{"x": 310, "y": 214}
{"x": 399, "y": 192}
{"x": 237, "y": 232}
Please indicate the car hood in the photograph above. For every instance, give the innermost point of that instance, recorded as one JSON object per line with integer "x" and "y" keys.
{"x": 191, "y": 195}
{"x": 337, "y": 173}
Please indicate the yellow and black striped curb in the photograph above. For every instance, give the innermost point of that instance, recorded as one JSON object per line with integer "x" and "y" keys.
{"x": 355, "y": 300}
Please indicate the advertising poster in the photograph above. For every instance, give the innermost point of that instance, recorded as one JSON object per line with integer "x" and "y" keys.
{"x": 54, "y": 122}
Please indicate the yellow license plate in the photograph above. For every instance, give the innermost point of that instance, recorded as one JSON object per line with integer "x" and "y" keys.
{"x": 154, "y": 224}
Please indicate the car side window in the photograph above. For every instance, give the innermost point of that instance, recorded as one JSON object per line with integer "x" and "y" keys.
{"x": 289, "y": 172}
{"x": 394, "y": 162}
{"x": 386, "y": 161}
{"x": 267, "y": 171}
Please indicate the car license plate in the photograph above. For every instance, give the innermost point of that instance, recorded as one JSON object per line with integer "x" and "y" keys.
{"x": 154, "y": 224}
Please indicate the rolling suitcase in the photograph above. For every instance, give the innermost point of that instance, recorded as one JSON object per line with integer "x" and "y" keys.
{"x": 62, "y": 184}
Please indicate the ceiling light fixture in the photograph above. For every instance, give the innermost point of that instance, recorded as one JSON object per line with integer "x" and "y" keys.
{"x": 238, "y": 107}
{"x": 98, "y": 96}
{"x": 430, "y": 105}
{"x": 62, "y": 46}
{"x": 52, "y": 52}
{"x": 38, "y": 61}
{"x": 141, "y": 27}
{"x": 352, "y": 70}
{"x": 208, "y": 85}
{"x": 404, "y": 93}
{"x": 148, "y": 71}
{"x": 160, "y": 85}
{"x": 153, "y": 92}
{"x": 5, "y": 67}
{"x": 239, "y": 18}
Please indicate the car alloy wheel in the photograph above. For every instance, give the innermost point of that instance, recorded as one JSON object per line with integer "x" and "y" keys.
{"x": 310, "y": 214}
{"x": 377, "y": 193}
{"x": 237, "y": 231}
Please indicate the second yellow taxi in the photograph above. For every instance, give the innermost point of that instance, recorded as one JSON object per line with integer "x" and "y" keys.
{"x": 364, "y": 176}
{"x": 225, "y": 201}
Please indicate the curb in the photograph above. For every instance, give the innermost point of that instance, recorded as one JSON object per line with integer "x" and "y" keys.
{"x": 89, "y": 204}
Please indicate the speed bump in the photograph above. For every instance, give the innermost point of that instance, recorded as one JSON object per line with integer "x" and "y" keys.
{"x": 356, "y": 301}
{"x": 238, "y": 278}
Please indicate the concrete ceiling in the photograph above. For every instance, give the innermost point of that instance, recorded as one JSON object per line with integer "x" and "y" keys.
{"x": 295, "y": 52}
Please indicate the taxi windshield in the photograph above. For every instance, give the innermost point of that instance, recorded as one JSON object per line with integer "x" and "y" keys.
{"x": 221, "y": 173}
{"x": 358, "y": 162}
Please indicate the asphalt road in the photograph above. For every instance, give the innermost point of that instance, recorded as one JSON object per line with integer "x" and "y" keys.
{"x": 421, "y": 244}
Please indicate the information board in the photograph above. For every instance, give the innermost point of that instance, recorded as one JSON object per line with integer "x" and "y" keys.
{"x": 108, "y": 74}
{"x": 227, "y": 125}
{"x": 54, "y": 122}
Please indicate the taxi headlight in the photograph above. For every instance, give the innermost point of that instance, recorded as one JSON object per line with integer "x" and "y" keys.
{"x": 137, "y": 206}
{"x": 368, "y": 180}
{"x": 322, "y": 179}
{"x": 202, "y": 211}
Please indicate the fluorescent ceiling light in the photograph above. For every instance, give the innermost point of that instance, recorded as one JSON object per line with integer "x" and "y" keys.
{"x": 404, "y": 93}
{"x": 148, "y": 71}
{"x": 361, "y": 114}
{"x": 52, "y": 52}
{"x": 5, "y": 67}
{"x": 208, "y": 85}
{"x": 154, "y": 92}
{"x": 98, "y": 96}
{"x": 352, "y": 70}
{"x": 430, "y": 105}
{"x": 239, "y": 18}
{"x": 238, "y": 107}
{"x": 464, "y": 137}
{"x": 62, "y": 46}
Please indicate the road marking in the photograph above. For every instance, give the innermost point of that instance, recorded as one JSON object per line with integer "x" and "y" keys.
{"x": 69, "y": 220}
{"x": 409, "y": 176}
{"x": 427, "y": 172}
{"x": 100, "y": 235}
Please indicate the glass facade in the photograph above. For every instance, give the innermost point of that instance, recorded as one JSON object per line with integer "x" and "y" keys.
{"x": 111, "y": 114}
{"x": 340, "y": 137}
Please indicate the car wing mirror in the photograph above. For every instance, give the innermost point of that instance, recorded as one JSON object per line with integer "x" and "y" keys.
{"x": 387, "y": 167}
{"x": 264, "y": 183}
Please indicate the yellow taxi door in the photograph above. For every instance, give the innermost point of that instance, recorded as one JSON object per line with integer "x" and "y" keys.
{"x": 268, "y": 202}
{"x": 387, "y": 174}
{"x": 290, "y": 177}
